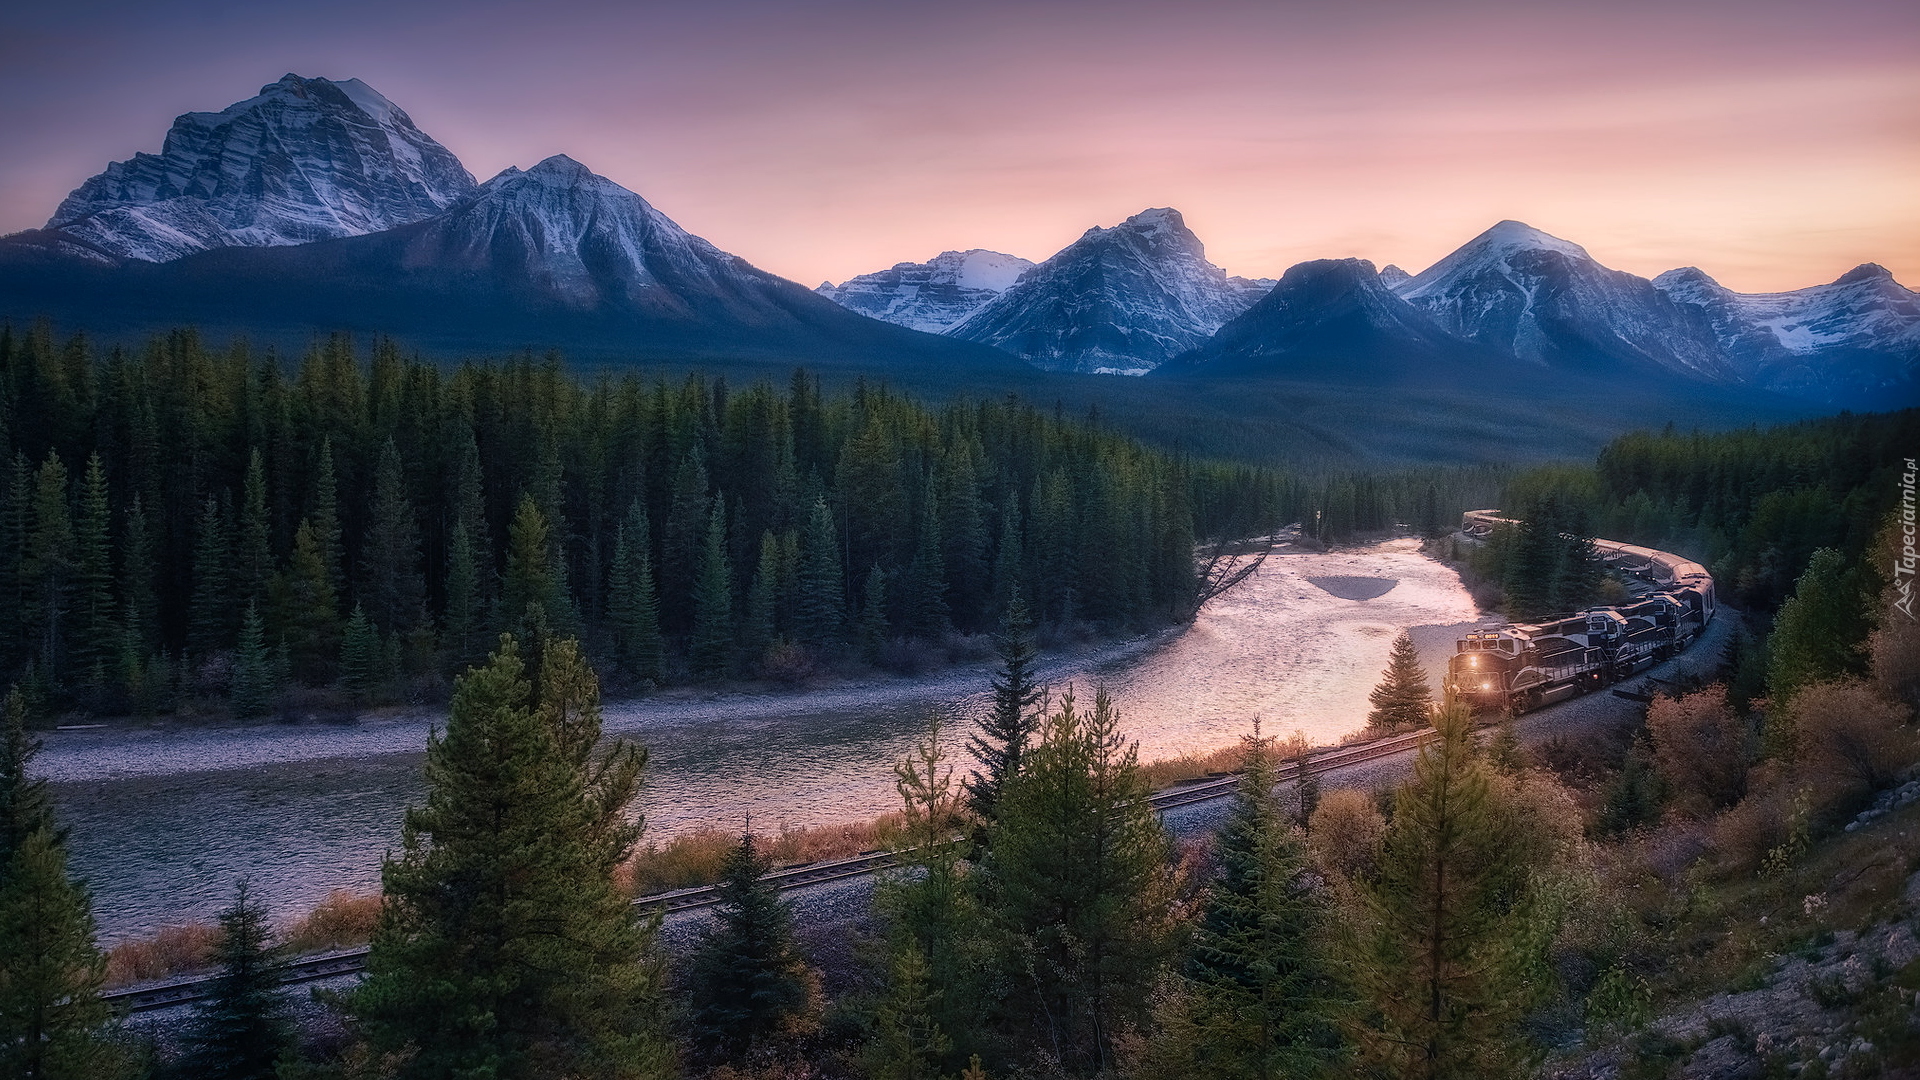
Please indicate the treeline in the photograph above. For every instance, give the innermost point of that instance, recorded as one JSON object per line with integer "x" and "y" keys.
{"x": 1751, "y": 505}
{"x": 183, "y": 521}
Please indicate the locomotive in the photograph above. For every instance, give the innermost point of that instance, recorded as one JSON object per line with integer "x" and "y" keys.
{"x": 1522, "y": 666}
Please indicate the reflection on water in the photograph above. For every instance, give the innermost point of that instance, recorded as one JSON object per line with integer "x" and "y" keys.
{"x": 163, "y": 822}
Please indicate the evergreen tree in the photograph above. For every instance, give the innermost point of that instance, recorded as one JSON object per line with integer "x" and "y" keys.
{"x": 253, "y": 549}
{"x": 326, "y": 520}
{"x": 50, "y": 569}
{"x": 1402, "y": 701}
{"x": 632, "y": 606}
{"x": 682, "y": 537}
{"x": 466, "y": 604}
{"x": 1261, "y": 995}
{"x": 1005, "y": 731}
{"x": 504, "y": 948}
{"x": 306, "y": 611}
{"x": 925, "y": 595}
{"x": 934, "y": 924}
{"x": 873, "y": 615}
{"x": 534, "y": 590}
{"x": 244, "y": 1027}
{"x": 208, "y": 616}
{"x": 390, "y": 586}
{"x": 51, "y": 1017}
{"x": 746, "y": 980}
{"x": 254, "y": 682}
{"x": 712, "y": 652}
{"x": 1820, "y": 632}
{"x": 16, "y": 524}
{"x": 93, "y": 609}
{"x": 362, "y": 659}
{"x": 763, "y": 599}
{"x": 1009, "y": 565}
{"x": 1079, "y": 886}
{"x": 1438, "y": 950}
{"x": 137, "y": 573}
{"x": 821, "y": 594}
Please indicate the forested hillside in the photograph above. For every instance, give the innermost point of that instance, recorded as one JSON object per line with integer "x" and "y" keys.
{"x": 187, "y": 521}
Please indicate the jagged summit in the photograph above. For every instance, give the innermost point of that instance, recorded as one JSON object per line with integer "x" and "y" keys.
{"x": 1546, "y": 301}
{"x": 933, "y": 295}
{"x": 1854, "y": 341}
{"x": 1121, "y": 299}
{"x": 303, "y": 160}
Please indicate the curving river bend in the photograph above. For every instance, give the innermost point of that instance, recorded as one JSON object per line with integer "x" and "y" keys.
{"x": 163, "y": 820}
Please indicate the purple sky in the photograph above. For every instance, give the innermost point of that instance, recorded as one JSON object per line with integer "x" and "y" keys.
{"x": 1773, "y": 144}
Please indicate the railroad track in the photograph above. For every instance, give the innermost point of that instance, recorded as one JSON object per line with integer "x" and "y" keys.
{"x": 353, "y": 961}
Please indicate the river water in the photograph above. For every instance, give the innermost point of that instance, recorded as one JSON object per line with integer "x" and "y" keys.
{"x": 163, "y": 820}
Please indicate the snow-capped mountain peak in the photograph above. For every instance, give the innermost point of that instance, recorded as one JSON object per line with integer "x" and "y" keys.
{"x": 1121, "y": 299}
{"x": 303, "y": 160}
{"x": 1854, "y": 340}
{"x": 933, "y": 295}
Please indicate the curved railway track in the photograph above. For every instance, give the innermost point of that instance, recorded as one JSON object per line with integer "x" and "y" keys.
{"x": 352, "y": 961}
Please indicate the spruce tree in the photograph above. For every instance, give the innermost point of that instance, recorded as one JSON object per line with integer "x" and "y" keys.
{"x": 1009, "y": 566}
{"x": 632, "y": 604}
{"x": 682, "y": 535}
{"x": 821, "y": 599}
{"x": 763, "y": 599}
{"x": 466, "y": 606}
{"x": 244, "y": 1027}
{"x": 746, "y": 981}
{"x": 137, "y": 573}
{"x": 16, "y": 524}
{"x": 873, "y": 615}
{"x": 908, "y": 1042}
{"x": 362, "y": 658}
{"x": 1010, "y": 725}
{"x": 390, "y": 586}
{"x": 209, "y": 620}
{"x": 534, "y": 590}
{"x": 253, "y": 547}
{"x": 1262, "y": 997}
{"x": 94, "y": 632}
{"x": 1437, "y": 952}
{"x": 52, "y": 1020}
{"x": 712, "y": 651}
{"x": 924, "y": 598}
{"x": 1403, "y": 701}
{"x": 504, "y": 947}
{"x": 1079, "y": 884}
{"x": 326, "y": 521}
{"x": 254, "y": 683}
{"x": 50, "y": 569}
{"x": 934, "y": 926}
{"x": 306, "y": 609}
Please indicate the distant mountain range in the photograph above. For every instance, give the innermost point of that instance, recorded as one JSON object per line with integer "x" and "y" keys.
{"x": 318, "y": 205}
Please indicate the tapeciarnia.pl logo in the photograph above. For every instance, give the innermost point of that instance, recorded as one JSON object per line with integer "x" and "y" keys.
{"x": 1903, "y": 565}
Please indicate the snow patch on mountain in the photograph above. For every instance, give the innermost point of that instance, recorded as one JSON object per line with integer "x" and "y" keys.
{"x": 1847, "y": 342}
{"x": 1119, "y": 300}
{"x": 931, "y": 296}
{"x": 304, "y": 160}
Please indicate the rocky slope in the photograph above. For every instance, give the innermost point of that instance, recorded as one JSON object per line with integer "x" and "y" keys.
{"x": 1545, "y": 301}
{"x": 304, "y": 160}
{"x": 934, "y": 295}
{"x": 1854, "y": 342}
{"x": 1121, "y": 300}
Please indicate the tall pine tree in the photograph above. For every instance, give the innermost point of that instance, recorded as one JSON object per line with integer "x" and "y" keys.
{"x": 244, "y": 1026}
{"x": 1402, "y": 701}
{"x": 746, "y": 980}
{"x": 1007, "y": 729}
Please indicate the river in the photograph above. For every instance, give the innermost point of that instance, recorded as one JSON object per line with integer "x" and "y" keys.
{"x": 164, "y": 819}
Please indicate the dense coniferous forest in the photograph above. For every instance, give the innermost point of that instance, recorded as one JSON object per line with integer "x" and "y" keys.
{"x": 187, "y": 523}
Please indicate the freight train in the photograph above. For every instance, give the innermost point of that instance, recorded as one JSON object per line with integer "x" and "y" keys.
{"x": 1522, "y": 666}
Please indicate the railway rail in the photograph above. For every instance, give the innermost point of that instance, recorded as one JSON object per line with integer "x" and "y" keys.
{"x": 353, "y": 961}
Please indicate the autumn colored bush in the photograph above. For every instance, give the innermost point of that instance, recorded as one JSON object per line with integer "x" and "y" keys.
{"x": 1345, "y": 832}
{"x": 1700, "y": 748}
{"x": 171, "y": 950}
{"x": 341, "y": 921}
{"x": 1850, "y": 739}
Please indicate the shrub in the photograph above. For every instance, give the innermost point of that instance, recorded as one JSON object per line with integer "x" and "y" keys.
{"x": 171, "y": 950}
{"x": 341, "y": 921}
{"x": 1699, "y": 748}
{"x": 1746, "y": 834}
{"x": 1344, "y": 834}
{"x": 1849, "y": 738}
